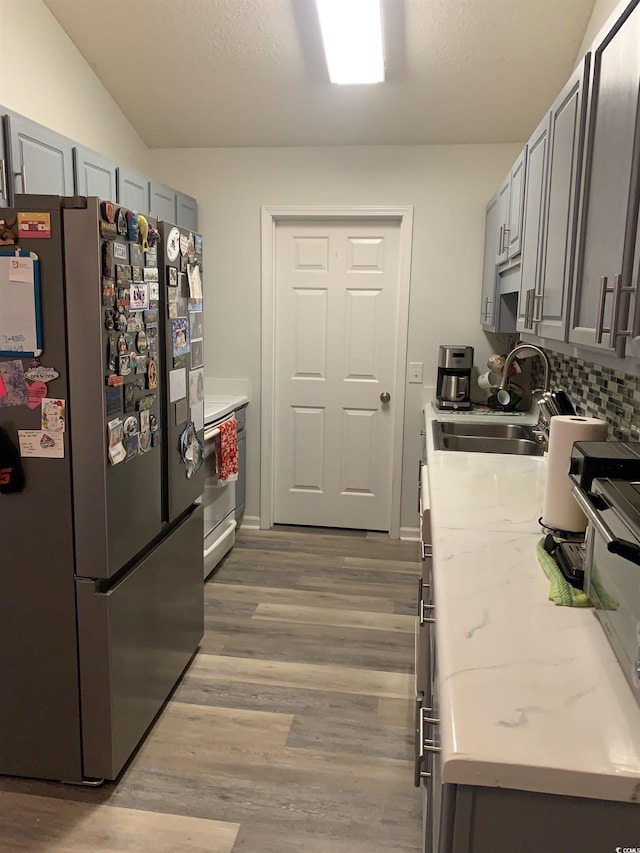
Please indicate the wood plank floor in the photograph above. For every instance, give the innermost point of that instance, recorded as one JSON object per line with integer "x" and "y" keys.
{"x": 292, "y": 730}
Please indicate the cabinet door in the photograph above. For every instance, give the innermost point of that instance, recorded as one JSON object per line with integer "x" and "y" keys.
{"x": 502, "y": 253}
{"x": 162, "y": 202}
{"x": 533, "y": 223}
{"x": 187, "y": 211}
{"x": 513, "y": 240}
{"x": 42, "y": 160}
{"x": 608, "y": 214}
{"x": 565, "y": 157}
{"x": 133, "y": 190}
{"x": 489, "y": 270}
{"x": 94, "y": 174}
{"x": 5, "y": 184}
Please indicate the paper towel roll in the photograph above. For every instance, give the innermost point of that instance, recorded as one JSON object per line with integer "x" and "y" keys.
{"x": 560, "y": 510}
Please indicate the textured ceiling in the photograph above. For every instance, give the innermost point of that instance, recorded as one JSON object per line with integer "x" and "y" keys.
{"x": 204, "y": 73}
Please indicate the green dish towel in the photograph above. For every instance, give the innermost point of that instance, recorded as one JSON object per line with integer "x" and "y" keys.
{"x": 560, "y": 590}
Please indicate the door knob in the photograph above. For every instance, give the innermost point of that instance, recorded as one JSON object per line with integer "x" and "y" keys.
{"x": 385, "y": 396}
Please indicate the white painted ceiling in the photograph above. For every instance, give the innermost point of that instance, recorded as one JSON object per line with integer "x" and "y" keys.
{"x": 206, "y": 73}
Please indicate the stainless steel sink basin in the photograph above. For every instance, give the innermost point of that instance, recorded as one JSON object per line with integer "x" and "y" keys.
{"x": 516, "y": 439}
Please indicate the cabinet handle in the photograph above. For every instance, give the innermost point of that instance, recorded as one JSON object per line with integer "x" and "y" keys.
{"x": 505, "y": 244}
{"x": 489, "y": 310}
{"x": 601, "y": 303}
{"x": 426, "y": 607}
{"x": 3, "y": 181}
{"x": 500, "y": 240}
{"x": 528, "y": 309}
{"x": 537, "y": 314}
{"x": 618, "y": 290}
{"x": 22, "y": 174}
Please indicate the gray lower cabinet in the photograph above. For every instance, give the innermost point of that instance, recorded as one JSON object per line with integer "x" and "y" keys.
{"x": 566, "y": 138}
{"x": 133, "y": 190}
{"x": 488, "y": 305}
{"x": 94, "y": 174}
{"x": 609, "y": 204}
{"x": 187, "y": 212}
{"x": 533, "y": 229}
{"x": 501, "y": 820}
{"x": 41, "y": 160}
{"x": 163, "y": 202}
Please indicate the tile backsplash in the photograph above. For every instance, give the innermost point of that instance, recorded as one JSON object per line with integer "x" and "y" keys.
{"x": 596, "y": 391}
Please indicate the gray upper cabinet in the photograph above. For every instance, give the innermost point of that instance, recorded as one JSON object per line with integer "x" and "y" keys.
{"x": 94, "y": 174}
{"x": 513, "y": 238}
{"x": 511, "y": 210}
{"x": 533, "y": 225}
{"x": 488, "y": 307}
{"x": 609, "y": 204}
{"x": 133, "y": 190}
{"x": 163, "y": 202}
{"x": 187, "y": 210}
{"x": 568, "y": 115}
{"x": 42, "y": 160}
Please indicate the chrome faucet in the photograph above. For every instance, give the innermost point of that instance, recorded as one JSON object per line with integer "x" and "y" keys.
{"x": 524, "y": 350}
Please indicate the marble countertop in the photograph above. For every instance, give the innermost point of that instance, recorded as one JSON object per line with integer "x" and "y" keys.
{"x": 217, "y": 406}
{"x": 531, "y": 694}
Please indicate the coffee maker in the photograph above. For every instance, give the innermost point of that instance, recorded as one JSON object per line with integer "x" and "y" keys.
{"x": 453, "y": 391}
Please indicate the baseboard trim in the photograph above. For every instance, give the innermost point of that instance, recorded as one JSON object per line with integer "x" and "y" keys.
{"x": 410, "y": 534}
{"x": 251, "y": 522}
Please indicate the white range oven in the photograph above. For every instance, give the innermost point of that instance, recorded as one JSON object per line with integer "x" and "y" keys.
{"x": 219, "y": 502}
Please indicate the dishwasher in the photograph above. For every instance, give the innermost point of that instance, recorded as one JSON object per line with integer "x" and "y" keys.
{"x": 219, "y": 502}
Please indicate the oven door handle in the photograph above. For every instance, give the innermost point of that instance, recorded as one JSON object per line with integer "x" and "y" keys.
{"x": 585, "y": 505}
{"x": 211, "y": 433}
{"x": 627, "y": 550}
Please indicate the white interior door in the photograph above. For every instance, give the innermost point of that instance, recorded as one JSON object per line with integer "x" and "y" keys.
{"x": 336, "y": 350}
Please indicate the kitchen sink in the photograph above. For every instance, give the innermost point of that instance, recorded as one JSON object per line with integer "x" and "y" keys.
{"x": 515, "y": 439}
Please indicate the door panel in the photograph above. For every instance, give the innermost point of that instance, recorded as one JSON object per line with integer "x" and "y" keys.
{"x": 516, "y": 202}
{"x": 187, "y": 210}
{"x": 607, "y": 232}
{"x": 488, "y": 313}
{"x": 336, "y": 327}
{"x": 534, "y": 217}
{"x": 565, "y": 157}
{"x": 42, "y": 159}
{"x": 310, "y": 352}
{"x": 162, "y": 202}
{"x": 94, "y": 174}
{"x": 133, "y": 190}
{"x": 308, "y": 448}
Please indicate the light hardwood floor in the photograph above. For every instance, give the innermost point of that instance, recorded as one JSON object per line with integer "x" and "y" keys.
{"x": 292, "y": 730}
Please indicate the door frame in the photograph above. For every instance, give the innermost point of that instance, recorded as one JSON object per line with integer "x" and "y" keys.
{"x": 270, "y": 217}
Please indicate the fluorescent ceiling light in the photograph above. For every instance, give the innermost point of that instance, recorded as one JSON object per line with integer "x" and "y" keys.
{"x": 352, "y": 36}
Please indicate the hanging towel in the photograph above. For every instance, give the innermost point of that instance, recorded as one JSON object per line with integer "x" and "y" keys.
{"x": 560, "y": 590}
{"x": 227, "y": 451}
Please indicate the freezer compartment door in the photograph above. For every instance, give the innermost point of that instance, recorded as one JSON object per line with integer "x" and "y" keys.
{"x": 135, "y": 641}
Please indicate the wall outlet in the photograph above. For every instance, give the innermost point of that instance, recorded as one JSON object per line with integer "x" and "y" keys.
{"x": 415, "y": 371}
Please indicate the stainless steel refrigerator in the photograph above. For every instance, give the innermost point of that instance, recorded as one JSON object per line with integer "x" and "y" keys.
{"x": 101, "y": 594}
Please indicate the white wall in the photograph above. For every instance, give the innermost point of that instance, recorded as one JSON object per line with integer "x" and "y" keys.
{"x": 448, "y": 187}
{"x": 602, "y": 11}
{"x": 43, "y": 76}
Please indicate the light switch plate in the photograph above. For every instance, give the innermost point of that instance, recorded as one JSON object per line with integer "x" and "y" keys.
{"x": 415, "y": 371}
